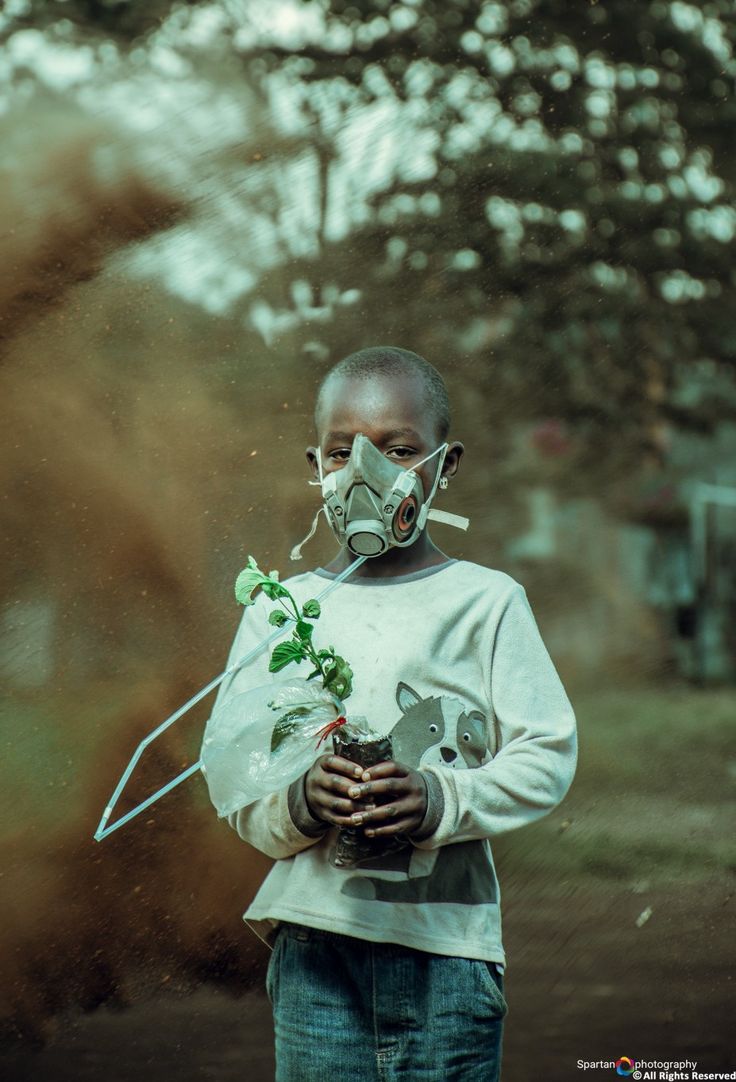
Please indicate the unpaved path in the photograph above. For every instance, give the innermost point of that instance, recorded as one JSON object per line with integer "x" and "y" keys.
{"x": 584, "y": 982}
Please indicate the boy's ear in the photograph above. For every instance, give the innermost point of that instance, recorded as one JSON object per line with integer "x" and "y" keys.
{"x": 452, "y": 459}
{"x": 311, "y": 453}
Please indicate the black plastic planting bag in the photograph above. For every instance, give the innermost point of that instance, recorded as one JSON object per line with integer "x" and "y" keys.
{"x": 361, "y": 745}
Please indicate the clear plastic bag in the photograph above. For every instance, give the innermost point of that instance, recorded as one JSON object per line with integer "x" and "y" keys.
{"x": 260, "y": 741}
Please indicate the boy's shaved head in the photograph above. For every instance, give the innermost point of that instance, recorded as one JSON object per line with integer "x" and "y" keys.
{"x": 391, "y": 361}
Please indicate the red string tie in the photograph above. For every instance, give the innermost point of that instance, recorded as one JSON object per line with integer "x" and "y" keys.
{"x": 325, "y": 731}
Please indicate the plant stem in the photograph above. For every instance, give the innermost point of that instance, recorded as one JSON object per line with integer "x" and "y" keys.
{"x": 306, "y": 646}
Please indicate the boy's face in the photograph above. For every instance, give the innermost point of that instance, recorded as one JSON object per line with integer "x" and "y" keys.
{"x": 391, "y": 412}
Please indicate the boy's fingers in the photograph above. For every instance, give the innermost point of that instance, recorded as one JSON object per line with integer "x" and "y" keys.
{"x": 386, "y": 811}
{"x": 337, "y": 820}
{"x": 334, "y": 785}
{"x": 329, "y": 806}
{"x": 329, "y": 803}
{"x": 393, "y": 810}
{"x": 401, "y": 826}
{"x": 328, "y": 782}
{"x": 389, "y": 769}
{"x": 337, "y": 775}
{"x": 392, "y": 786}
{"x": 335, "y": 764}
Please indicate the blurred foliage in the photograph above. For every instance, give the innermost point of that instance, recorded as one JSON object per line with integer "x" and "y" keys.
{"x": 562, "y": 220}
{"x": 125, "y": 20}
{"x": 577, "y": 234}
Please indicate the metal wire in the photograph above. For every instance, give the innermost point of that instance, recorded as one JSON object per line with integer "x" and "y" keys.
{"x": 105, "y": 827}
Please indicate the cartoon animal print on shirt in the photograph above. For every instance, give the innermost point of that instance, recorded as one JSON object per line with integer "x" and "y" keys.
{"x": 437, "y": 731}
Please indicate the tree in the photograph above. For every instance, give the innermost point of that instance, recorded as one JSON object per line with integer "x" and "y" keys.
{"x": 574, "y": 238}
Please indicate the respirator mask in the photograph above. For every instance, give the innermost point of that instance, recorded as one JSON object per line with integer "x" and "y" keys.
{"x": 373, "y": 504}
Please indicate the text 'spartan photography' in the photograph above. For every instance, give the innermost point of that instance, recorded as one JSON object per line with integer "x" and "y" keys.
{"x": 368, "y": 619}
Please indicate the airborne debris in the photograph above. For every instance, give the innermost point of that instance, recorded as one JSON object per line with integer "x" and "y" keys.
{"x": 644, "y": 917}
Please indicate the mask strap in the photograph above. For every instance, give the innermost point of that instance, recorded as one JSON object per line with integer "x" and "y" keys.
{"x": 442, "y": 447}
{"x": 319, "y": 470}
{"x": 449, "y": 519}
{"x": 424, "y": 511}
{"x": 460, "y": 521}
{"x": 296, "y": 552}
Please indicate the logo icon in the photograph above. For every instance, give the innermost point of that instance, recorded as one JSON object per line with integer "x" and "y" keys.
{"x": 625, "y": 1065}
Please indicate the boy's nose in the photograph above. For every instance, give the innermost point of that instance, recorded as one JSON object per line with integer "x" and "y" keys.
{"x": 448, "y": 754}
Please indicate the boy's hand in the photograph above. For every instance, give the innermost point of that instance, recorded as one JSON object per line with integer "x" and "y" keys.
{"x": 399, "y": 792}
{"x": 326, "y": 788}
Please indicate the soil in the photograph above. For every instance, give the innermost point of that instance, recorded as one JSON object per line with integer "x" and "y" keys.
{"x": 590, "y": 977}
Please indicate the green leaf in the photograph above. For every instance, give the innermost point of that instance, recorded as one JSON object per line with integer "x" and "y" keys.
{"x": 273, "y": 590}
{"x": 339, "y": 678}
{"x": 249, "y": 578}
{"x": 311, "y": 608}
{"x": 283, "y": 728}
{"x": 278, "y": 618}
{"x": 297, "y": 712}
{"x": 245, "y": 584}
{"x": 304, "y": 630}
{"x": 284, "y": 654}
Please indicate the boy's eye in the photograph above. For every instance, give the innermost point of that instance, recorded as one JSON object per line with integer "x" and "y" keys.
{"x": 342, "y": 454}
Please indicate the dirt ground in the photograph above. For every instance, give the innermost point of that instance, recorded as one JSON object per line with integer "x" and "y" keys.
{"x": 584, "y": 981}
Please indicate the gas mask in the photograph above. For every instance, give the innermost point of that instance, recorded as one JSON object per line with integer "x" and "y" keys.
{"x": 373, "y": 504}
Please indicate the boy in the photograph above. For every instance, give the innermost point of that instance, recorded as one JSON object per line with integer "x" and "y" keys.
{"x": 394, "y": 969}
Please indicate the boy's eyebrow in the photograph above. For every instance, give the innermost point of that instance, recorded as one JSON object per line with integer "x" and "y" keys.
{"x": 339, "y": 437}
{"x": 394, "y": 433}
{"x": 402, "y": 433}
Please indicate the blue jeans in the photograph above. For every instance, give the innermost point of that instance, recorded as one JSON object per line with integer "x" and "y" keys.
{"x": 358, "y": 1011}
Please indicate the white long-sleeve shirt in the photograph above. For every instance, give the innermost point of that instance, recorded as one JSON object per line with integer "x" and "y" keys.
{"x": 450, "y": 661}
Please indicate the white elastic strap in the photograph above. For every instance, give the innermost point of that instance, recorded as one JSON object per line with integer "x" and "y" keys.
{"x": 424, "y": 512}
{"x": 442, "y": 447}
{"x": 296, "y": 552}
{"x": 449, "y": 519}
